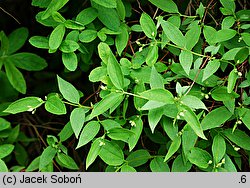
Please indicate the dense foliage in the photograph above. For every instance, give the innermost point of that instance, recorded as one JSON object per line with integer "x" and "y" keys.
{"x": 126, "y": 85}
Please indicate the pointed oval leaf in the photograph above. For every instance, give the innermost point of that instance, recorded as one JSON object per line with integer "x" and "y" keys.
{"x": 67, "y": 161}
{"x": 218, "y": 148}
{"x": 238, "y": 137}
{"x": 5, "y": 150}
{"x": 175, "y": 145}
{"x": 148, "y": 25}
{"x": 93, "y": 152}
{"x": 77, "y": 119}
{"x": 186, "y": 60}
{"x": 138, "y": 158}
{"x": 47, "y": 157}
{"x": 210, "y": 69}
{"x": 158, "y": 165}
{"x": 159, "y": 95}
{"x": 199, "y": 157}
{"x": 56, "y": 37}
{"x": 167, "y": 5}
{"x": 55, "y": 105}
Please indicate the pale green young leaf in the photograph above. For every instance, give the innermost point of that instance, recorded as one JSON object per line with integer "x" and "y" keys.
{"x": 167, "y": 5}
{"x": 216, "y": 118}
{"x": 55, "y": 105}
{"x": 218, "y": 148}
{"x": 111, "y": 153}
{"x": 56, "y": 37}
{"x": 192, "y": 119}
{"x": 154, "y": 117}
{"x": 210, "y": 69}
{"x": 121, "y": 39}
{"x": 104, "y": 52}
{"x": 89, "y": 131}
{"x": 138, "y": 158}
{"x": 39, "y": 42}
{"x": 47, "y": 157}
{"x": 193, "y": 102}
{"x": 98, "y": 74}
{"x": 24, "y": 104}
{"x": 5, "y": 150}
{"x": 186, "y": 60}
{"x": 199, "y": 157}
{"x": 137, "y": 130}
{"x": 115, "y": 72}
{"x": 67, "y": 161}
{"x": 70, "y": 61}
{"x": 156, "y": 80}
{"x": 68, "y": 91}
{"x": 173, "y": 33}
{"x": 77, "y": 119}
{"x": 175, "y": 145}
{"x": 15, "y": 77}
{"x": 158, "y": 165}
{"x": 148, "y": 26}
{"x": 107, "y": 102}
{"x": 232, "y": 78}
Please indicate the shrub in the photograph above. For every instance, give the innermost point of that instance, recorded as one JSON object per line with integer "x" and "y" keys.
{"x": 164, "y": 91}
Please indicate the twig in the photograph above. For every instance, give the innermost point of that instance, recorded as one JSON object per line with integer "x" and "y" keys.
{"x": 10, "y": 15}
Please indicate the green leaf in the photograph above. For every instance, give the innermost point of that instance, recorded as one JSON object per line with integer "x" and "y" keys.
{"x": 56, "y": 37}
{"x": 54, "y": 6}
{"x": 121, "y": 10}
{"x": 180, "y": 166}
{"x": 88, "y": 133}
{"x": 88, "y": 35}
{"x": 158, "y": 165}
{"x": 127, "y": 168}
{"x": 218, "y": 148}
{"x": 4, "y": 44}
{"x": 156, "y": 80}
{"x": 199, "y": 157}
{"x": 93, "y": 152}
{"x": 119, "y": 133}
{"x": 6, "y": 150}
{"x": 15, "y": 77}
{"x": 245, "y": 119}
{"x": 106, "y": 3}
{"x": 229, "y": 165}
{"x": 47, "y": 157}
{"x": 215, "y": 118}
{"x": 111, "y": 153}
{"x": 239, "y": 137}
{"x": 173, "y": 33}
{"x": 98, "y": 74}
{"x": 192, "y": 36}
{"x": 69, "y": 46}
{"x": 55, "y": 105}
{"x": 107, "y": 102}
{"x": 4, "y": 124}
{"x": 241, "y": 55}
{"x": 175, "y": 145}
{"x": 224, "y": 35}
{"x": 24, "y": 104}
{"x": 159, "y": 95}
{"x": 210, "y": 69}
{"x": 70, "y": 61}
{"x": 193, "y": 102}
{"x": 104, "y": 52}
{"x": 154, "y": 116}
{"x": 221, "y": 94}
{"x": 3, "y": 167}
{"x": 230, "y": 55}
{"x": 170, "y": 128}
{"x": 228, "y": 4}
{"x": 17, "y": 39}
{"x": 66, "y": 132}
{"x": 186, "y": 60}
{"x": 28, "y": 61}
{"x": 67, "y": 161}
{"x": 39, "y": 42}
{"x": 138, "y": 158}
{"x": 68, "y": 91}
{"x": 232, "y": 78}
{"x": 87, "y": 16}
{"x": 109, "y": 17}
{"x": 228, "y": 22}
{"x": 34, "y": 165}
{"x": 137, "y": 130}
{"x": 148, "y": 25}
{"x": 77, "y": 119}
{"x": 121, "y": 39}
{"x": 71, "y": 24}
{"x": 115, "y": 72}
{"x": 192, "y": 120}
{"x": 13, "y": 135}
{"x": 246, "y": 38}
{"x": 209, "y": 34}
{"x": 152, "y": 55}
{"x": 41, "y": 3}
{"x": 166, "y": 6}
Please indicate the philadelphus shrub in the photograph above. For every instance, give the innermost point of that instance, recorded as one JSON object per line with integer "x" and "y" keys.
{"x": 172, "y": 89}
